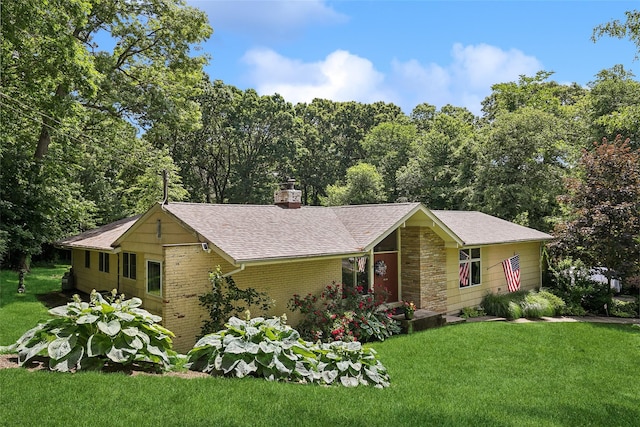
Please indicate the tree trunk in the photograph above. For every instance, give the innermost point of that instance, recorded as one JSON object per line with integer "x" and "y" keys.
{"x": 48, "y": 123}
{"x": 43, "y": 141}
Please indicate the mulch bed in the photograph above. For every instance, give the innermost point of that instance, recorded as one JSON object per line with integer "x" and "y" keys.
{"x": 9, "y": 361}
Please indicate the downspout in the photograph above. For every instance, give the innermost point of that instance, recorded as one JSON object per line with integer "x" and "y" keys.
{"x": 237, "y": 270}
{"x": 371, "y": 270}
{"x": 118, "y": 275}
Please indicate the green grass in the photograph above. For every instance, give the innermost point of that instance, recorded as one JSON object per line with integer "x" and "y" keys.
{"x": 491, "y": 374}
{"x": 20, "y": 312}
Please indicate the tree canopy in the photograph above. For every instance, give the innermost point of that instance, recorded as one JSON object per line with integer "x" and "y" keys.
{"x": 99, "y": 97}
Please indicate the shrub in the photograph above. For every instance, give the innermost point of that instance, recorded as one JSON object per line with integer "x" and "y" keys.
{"x": 342, "y": 313}
{"x": 270, "y": 349}
{"x": 535, "y": 306}
{"x": 571, "y": 282}
{"x": 624, "y": 308}
{"x": 498, "y": 304}
{"x": 471, "y": 312}
{"x": 514, "y": 310}
{"x": 226, "y": 299}
{"x": 556, "y": 302}
{"x": 98, "y": 333}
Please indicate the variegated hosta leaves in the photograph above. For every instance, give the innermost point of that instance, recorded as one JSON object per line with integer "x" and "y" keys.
{"x": 268, "y": 348}
{"x": 89, "y": 335}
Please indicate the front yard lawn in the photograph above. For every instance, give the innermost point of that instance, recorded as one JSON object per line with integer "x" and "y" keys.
{"x": 491, "y": 374}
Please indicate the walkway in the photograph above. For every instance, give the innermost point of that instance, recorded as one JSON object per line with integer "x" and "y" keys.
{"x": 590, "y": 319}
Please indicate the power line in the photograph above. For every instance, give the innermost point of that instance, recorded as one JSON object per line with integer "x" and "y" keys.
{"x": 121, "y": 155}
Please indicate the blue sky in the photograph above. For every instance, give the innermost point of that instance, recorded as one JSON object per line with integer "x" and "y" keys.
{"x": 407, "y": 52}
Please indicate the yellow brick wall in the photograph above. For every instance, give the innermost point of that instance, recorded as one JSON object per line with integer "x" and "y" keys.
{"x": 186, "y": 276}
{"x": 281, "y": 281}
{"x": 492, "y": 279}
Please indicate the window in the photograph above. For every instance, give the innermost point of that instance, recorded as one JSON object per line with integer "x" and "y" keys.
{"x": 87, "y": 259}
{"x": 469, "y": 271}
{"x": 103, "y": 262}
{"x": 154, "y": 278}
{"x": 388, "y": 244}
{"x": 129, "y": 265}
{"x": 355, "y": 273}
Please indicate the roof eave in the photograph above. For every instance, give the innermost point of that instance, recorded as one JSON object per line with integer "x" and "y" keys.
{"x": 110, "y": 250}
{"x": 296, "y": 258}
{"x": 507, "y": 242}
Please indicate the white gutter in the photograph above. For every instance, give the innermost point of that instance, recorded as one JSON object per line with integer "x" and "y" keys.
{"x": 237, "y": 270}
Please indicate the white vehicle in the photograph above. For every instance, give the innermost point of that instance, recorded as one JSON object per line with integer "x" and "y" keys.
{"x": 599, "y": 274}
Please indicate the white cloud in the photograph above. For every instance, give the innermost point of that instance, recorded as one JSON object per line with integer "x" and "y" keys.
{"x": 267, "y": 19}
{"x": 343, "y": 76}
{"x": 483, "y": 65}
{"x": 466, "y": 81}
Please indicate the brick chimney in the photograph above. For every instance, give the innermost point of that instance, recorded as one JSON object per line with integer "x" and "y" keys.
{"x": 287, "y": 196}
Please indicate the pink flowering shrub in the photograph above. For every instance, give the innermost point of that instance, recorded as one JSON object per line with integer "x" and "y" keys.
{"x": 344, "y": 313}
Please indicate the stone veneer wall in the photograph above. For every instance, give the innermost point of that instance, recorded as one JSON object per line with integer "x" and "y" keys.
{"x": 423, "y": 261}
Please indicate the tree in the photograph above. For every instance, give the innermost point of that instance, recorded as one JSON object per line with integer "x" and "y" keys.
{"x": 614, "y": 105}
{"x": 261, "y": 145}
{"x": 387, "y": 147}
{"x": 534, "y": 92}
{"x": 61, "y": 82}
{"x": 603, "y": 205}
{"x": 205, "y": 155}
{"x": 441, "y": 159}
{"x": 523, "y": 157}
{"x": 330, "y": 140}
{"x": 618, "y": 29}
{"x": 363, "y": 185}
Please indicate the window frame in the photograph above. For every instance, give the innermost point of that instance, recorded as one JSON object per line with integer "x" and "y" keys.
{"x": 352, "y": 277}
{"x": 103, "y": 262}
{"x": 148, "y": 278}
{"x": 87, "y": 259}
{"x": 129, "y": 269}
{"x": 474, "y": 267}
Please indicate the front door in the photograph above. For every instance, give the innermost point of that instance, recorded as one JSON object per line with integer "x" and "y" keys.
{"x": 385, "y": 274}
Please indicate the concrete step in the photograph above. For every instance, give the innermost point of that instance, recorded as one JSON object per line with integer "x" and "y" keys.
{"x": 422, "y": 319}
{"x": 453, "y": 320}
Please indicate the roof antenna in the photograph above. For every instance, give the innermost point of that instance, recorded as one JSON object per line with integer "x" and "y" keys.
{"x": 165, "y": 187}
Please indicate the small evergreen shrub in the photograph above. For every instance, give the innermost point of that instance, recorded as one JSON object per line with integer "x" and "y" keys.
{"x": 227, "y": 299}
{"x": 270, "y": 349}
{"x": 471, "y": 312}
{"x": 342, "y": 313}
{"x": 90, "y": 336}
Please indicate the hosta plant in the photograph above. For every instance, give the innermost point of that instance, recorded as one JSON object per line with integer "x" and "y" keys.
{"x": 271, "y": 349}
{"x": 92, "y": 335}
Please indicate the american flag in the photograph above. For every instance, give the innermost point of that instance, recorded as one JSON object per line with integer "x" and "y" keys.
{"x": 464, "y": 272}
{"x": 511, "y": 267}
{"x": 362, "y": 264}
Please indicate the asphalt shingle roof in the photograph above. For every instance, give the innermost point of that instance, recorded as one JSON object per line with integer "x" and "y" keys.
{"x": 477, "y": 228}
{"x": 99, "y": 238}
{"x": 248, "y": 233}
